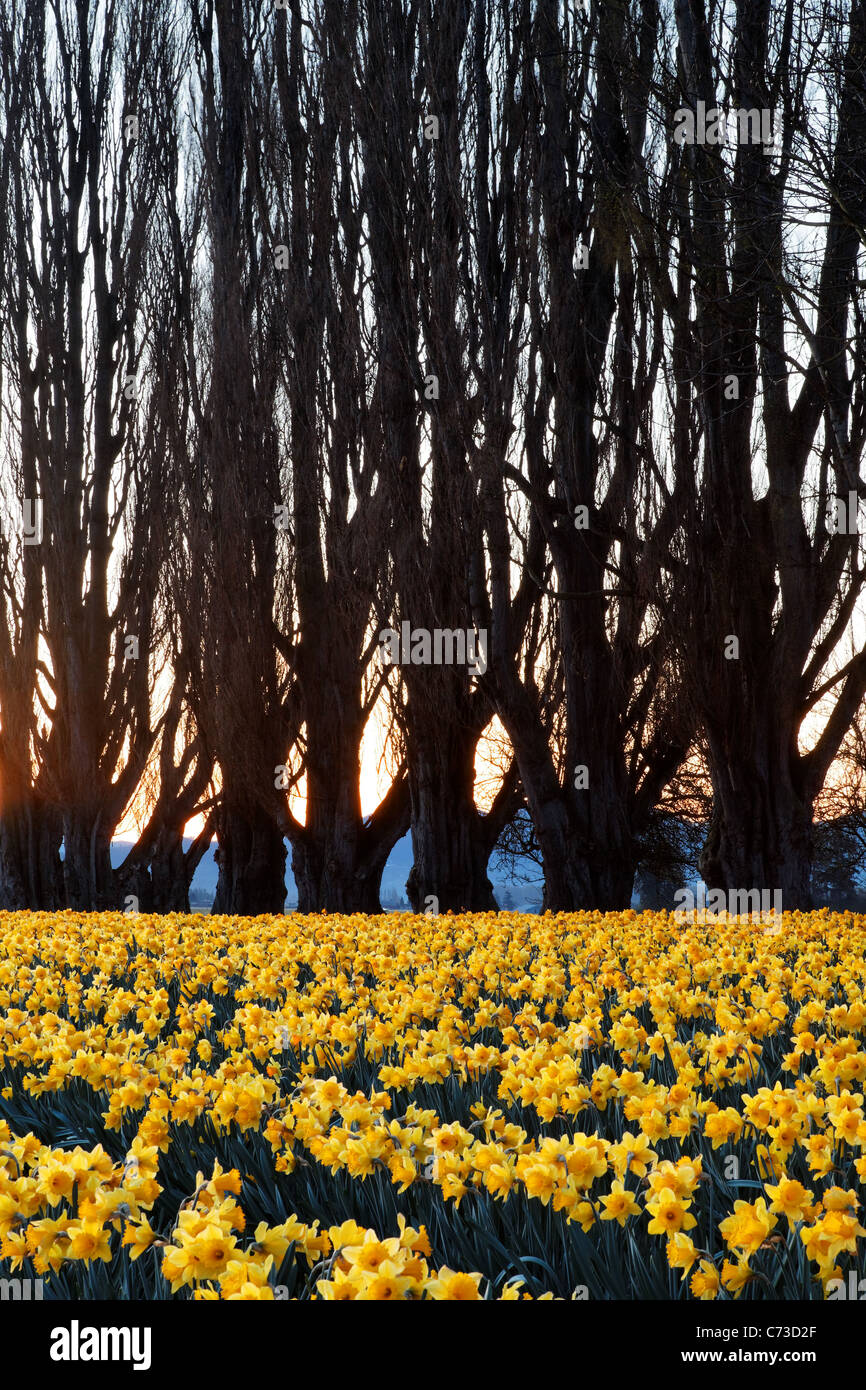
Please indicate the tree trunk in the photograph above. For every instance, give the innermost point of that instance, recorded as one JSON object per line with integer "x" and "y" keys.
{"x": 329, "y": 877}
{"x": 135, "y": 890}
{"x": 338, "y": 859}
{"x": 158, "y": 872}
{"x": 581, "y": 877}
{"x": 31, "y": 871}
{"x": 252, "y": 862}
{"x": 590, "y": 869}
{"x": 449, "y": 841}
{"x": 88, "y": 878}
{"x": 338, "y": 856}
{"x": 325, "y": 857}
{"x": 169, "y": 874}
{"x": 588, "y": 848}
{"x": 761, "y": 834}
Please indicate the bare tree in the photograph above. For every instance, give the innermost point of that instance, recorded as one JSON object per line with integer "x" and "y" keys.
{"x": 30, "y": 834}
{"x": 415, "y": 67}
{"x": 338, "y": 521}
{"x": 583, "y": 456}
{"x": 768, "y": 354}
{"x": 325, "y": 320}
{"x": 225, "y": 561}
{"x": 84, "y": 631}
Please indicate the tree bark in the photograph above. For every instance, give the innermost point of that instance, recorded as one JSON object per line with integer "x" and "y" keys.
{"x": 88, "y": 878}
{"x": 169, "y": 873}
{"x": 449, "y": 844}
{"x": 761, "y": 833}
{"x": 588, "y": 847}
{"x": 761, "y": 573}
{"x": 338, "y": 856}
{"x": 329, "y": 877}
{"x": 31, "y": 871}
{"x": 252, "y": 862}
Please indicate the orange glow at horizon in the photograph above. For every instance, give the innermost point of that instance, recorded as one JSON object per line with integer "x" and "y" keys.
{"x": 491, "y": 761}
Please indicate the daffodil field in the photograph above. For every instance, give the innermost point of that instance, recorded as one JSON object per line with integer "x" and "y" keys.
{"x": 452, "y": 1107}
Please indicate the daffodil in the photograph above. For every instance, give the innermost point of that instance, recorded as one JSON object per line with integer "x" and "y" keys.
{"x": 619, "y": 1204}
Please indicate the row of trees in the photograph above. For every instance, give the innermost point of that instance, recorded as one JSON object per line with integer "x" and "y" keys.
{"x": 320, "y": 318}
